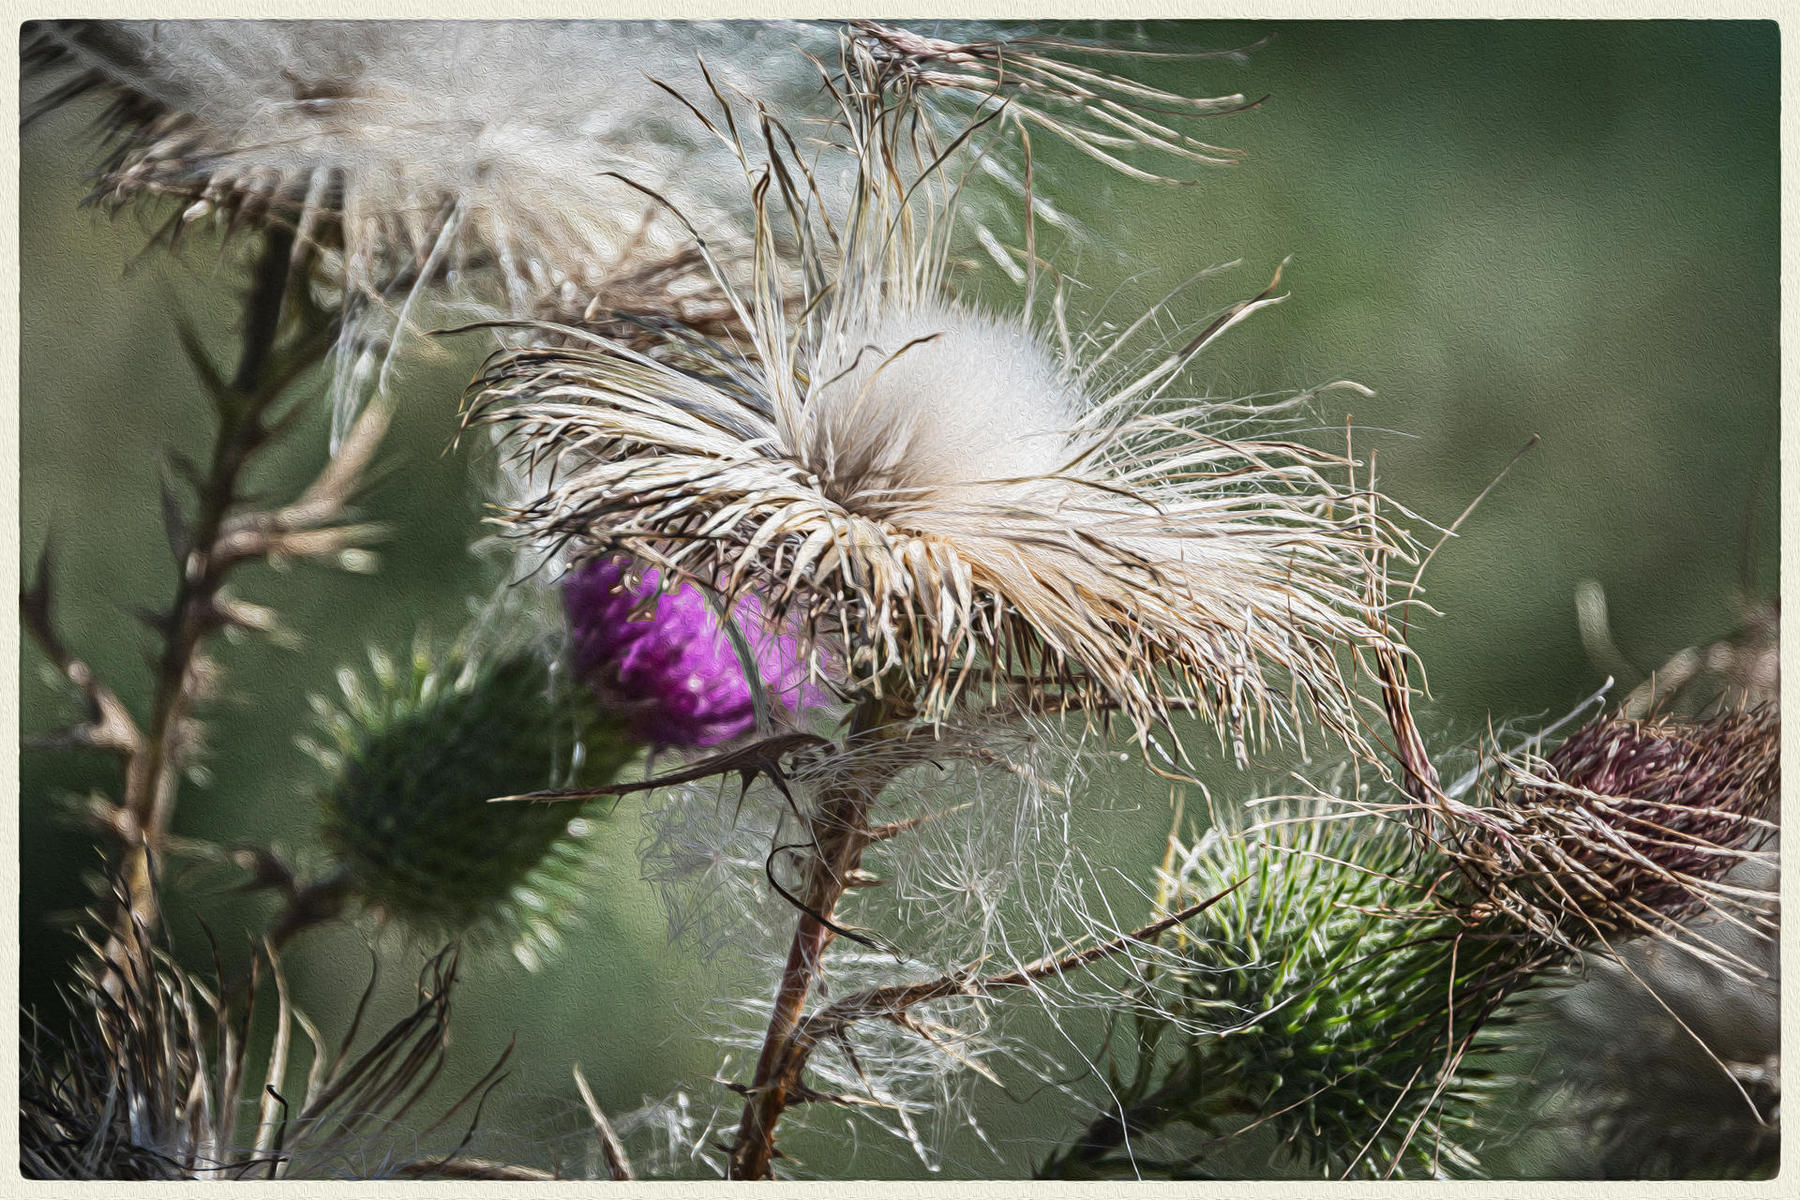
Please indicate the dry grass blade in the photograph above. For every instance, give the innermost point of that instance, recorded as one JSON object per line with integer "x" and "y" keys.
{"x": 151, "y": 1078}
{"x": 897, "y": 1002}
{"x": 617, "y": 1164}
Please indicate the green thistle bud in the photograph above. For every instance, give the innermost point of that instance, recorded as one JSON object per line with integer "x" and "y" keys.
{"x": 1338, "y": 1008}
{"x": 416, "y": 756}
{"x": 1324, "y": 1016}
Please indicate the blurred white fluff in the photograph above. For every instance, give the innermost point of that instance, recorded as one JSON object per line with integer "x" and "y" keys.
{"x": 432, "y": 151}
{"x": 495, "y": 155}
{"x": 706, "y": 851}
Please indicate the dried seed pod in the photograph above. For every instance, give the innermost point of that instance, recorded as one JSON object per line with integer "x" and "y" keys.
{"x": 1630, "y": 826}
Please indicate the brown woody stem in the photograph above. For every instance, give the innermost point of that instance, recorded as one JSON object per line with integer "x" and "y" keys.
{"x": 205, "y": 556}
{"x": 840, "y": 831}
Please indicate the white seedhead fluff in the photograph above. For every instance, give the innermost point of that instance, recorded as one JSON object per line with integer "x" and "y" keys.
{"x": 505, "y": 165}
{"x": 930, "y": 406}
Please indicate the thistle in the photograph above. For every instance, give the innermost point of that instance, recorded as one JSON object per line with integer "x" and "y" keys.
{"x": 485, "y": 163}
{"x": 1345, "y": 1001}
{"x": 936, "y": 492}
{"x": 954, "y": 512}
{"x": 1331, "y": 1008}
{"x": 417, "y": 754}
{"x": 470, "y": 161}
{"x": 1629, "y": 827}
{"x": 1668, "y": 1065}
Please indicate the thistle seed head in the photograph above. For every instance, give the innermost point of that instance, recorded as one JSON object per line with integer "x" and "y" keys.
{"x": 954, "y": 504}
{"x": 490, "y": 136}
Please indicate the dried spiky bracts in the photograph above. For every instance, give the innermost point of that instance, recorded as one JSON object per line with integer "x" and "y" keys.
{"x": 503, "y": 165}
{"x": 941, "y": 496}
{"x": 429, "y": 145}
{"x": 1629, "y": 827}
{"x": 414, "y": 162}
{"x": 115, "y": 1096}
{"x": 161, "y": 1076}
{"x": 1044, "y": 83}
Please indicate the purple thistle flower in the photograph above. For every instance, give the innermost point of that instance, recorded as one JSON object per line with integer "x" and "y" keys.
{"x": 675, "y": 674}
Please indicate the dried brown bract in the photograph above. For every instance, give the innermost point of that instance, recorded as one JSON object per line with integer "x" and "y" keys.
{"x": 1046, "y": 84}
{"x": 938, "y": 491}
{"x": 1631, "y": 827}
{"x": 158, "y": 1076}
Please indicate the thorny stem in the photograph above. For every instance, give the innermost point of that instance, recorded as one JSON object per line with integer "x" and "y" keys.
{"x": 216, "y": 539}
{"x": 840, "y": 834}
{"x": 153, "y": 776}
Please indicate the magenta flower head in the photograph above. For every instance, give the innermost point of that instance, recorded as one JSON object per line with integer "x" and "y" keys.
{"x": 675, "y": 674}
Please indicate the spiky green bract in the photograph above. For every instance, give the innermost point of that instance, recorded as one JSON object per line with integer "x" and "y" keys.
{"x": 418, "y": 752}
{"x": 1329, "y": 1006}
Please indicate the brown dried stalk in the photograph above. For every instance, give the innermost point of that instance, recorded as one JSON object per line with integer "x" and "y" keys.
{"x": 217, "y": 538}
{"x": 618, "y": 1165}
{"x": 840, "y": 834}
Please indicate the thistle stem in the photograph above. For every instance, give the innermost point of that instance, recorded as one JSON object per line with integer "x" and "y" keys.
{"x": 153, "y": 773}
{"x": 841, "y": 832}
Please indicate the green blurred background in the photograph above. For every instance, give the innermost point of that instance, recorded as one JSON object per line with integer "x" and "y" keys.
{"x": 1568, "y": 229}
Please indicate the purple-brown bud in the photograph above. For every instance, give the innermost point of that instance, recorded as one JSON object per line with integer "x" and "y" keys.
{"x": 1631, "y": 826}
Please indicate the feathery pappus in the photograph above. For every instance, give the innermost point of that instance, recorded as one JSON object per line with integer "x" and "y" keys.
{"x": 486, "y": 162}
{"x": 933, "y": 487}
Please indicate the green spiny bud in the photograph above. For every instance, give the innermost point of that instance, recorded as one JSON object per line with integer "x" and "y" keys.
{"x": 1324, "y": 1014}
{"x": 417, "y": 753}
